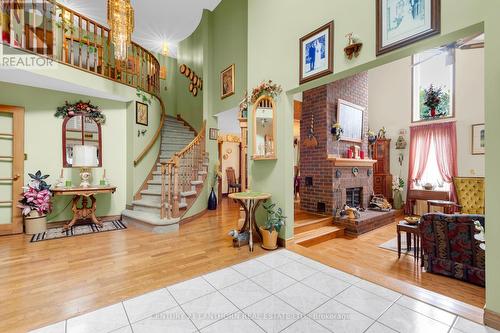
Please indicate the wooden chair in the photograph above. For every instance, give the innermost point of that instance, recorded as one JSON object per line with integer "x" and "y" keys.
{"x": 232, "y": 184}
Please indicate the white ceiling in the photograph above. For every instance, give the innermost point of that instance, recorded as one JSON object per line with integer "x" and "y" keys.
{"x": 156, "y": 21}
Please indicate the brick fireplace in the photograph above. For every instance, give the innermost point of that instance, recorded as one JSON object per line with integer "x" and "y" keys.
{"x": 325, "y": 181}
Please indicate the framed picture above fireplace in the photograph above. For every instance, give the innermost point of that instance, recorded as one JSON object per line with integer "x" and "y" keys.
{"x": 350, "y": 117}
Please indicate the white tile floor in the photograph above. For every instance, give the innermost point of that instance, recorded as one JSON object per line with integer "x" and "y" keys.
{"x": 279, "y": 292}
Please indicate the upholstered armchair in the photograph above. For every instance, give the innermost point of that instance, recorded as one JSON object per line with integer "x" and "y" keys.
{"x": 449, "y": 247}
{"x": 470, "y": 194}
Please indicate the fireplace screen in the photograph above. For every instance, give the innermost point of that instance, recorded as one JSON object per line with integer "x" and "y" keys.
{"x": 353, "y": 196}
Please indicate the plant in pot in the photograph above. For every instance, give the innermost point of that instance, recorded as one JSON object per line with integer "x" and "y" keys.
{"x": 35, "y": 203}
{"x": 275, "y": 221}
{"x": 398, "y": 185}
{"x": 212, "y": 198}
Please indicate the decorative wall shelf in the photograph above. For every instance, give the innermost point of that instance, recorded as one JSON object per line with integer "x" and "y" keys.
{"x": 350, "y": 162}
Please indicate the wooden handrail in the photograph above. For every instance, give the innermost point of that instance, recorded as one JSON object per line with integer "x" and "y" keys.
{"x": 65, "y": 36}
{"x": 195, "y": 141}
{"x": 153, "y": 139}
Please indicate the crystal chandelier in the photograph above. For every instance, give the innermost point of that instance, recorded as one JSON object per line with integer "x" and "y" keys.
{"x": 121, "y": 23}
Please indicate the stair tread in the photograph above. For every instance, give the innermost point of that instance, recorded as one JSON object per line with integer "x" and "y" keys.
{"x": 144, "y": 203}
{"x": 312, "y": 220}
{"x": 311, "y": 234}
{"x": 150, "y": 218}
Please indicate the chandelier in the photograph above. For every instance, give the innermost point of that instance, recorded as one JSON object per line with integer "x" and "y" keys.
{"x": 121, "y": 23}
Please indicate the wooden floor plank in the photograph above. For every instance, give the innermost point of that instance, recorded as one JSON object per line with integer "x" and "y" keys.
{"x": 46, "y": 282}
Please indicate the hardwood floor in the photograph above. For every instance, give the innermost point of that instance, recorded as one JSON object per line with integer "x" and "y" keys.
{"x": 43, "y": 283}
{"x": 46, "y": 282}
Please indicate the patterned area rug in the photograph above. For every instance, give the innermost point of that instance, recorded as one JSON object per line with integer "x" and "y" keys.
{"x": 392, "y": 245}
{"x": 78, "y": 230}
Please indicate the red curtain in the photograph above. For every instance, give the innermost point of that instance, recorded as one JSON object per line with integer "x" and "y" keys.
{"x": 445, "y": 139}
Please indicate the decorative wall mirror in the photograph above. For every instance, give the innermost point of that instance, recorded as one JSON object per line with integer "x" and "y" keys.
{"x": 264, "y": 129}
{"x": 80, "y": 130}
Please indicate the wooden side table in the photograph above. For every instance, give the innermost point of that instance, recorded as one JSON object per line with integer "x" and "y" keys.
{"x": 411, "y": 231}
{"x": 250, "y": 201}
{"x": 449, "y": 207}
{"x": 83, "y": 193}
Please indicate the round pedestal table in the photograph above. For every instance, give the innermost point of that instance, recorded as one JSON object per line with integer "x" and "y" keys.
{"x": 250, "y": 201}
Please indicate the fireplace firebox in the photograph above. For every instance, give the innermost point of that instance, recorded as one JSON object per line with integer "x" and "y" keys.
{"x": 354, "y": 196}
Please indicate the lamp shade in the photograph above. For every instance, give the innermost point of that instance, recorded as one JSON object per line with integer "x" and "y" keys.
{"x": 85, "y": 156}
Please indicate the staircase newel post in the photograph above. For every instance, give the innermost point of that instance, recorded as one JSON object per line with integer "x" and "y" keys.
{"x": 169, "y": 191}
{"x": 175, "y": 206}
{"x": 163, "y": 175}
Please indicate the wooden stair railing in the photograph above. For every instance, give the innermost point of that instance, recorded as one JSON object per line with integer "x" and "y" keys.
{"x": 178, "y": 173}
{"x": 54, "y": 31}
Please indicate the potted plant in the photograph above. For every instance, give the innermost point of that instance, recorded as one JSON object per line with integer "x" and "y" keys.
{"x": 212, "y": 198}
{"x": 35, "y": 204}
{"x": 398, "y": 185}
{"x": 275, "y": 221}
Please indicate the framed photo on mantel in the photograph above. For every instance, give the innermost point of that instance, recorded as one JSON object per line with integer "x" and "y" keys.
{"x": 401, "y": 23}
{"x": 316, "y": 54}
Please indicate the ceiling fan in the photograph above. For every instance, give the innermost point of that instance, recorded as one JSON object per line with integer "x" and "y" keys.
{"x": 469, "y": 43}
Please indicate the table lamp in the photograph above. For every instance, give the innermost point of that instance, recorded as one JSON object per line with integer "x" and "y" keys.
{"x": 85, "y": 157}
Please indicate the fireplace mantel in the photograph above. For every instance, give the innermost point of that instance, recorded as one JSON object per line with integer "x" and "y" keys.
{"x": 350, "y": 162}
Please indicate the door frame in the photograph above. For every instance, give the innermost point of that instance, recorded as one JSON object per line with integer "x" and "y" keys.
{"x": 17, "y": 177}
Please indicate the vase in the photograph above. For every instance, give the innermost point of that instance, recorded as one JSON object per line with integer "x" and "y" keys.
{"x": 433, "y": 112}
{"x": 35, "y": 223}
{"x": 212, "y": 200}
{"x": 269, "y": 239}
{"x": 398, "y": 200}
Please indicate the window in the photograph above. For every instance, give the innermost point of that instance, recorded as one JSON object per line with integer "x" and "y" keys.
{"x": 431, "y": 174}
{"x": 433, "y": 68}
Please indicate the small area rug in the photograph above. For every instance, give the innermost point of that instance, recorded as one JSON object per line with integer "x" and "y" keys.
{"x": 392, "y": 245}
{"x": 78, "y": 230}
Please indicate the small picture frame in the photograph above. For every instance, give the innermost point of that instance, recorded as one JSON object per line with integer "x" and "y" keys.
{"x": 227, "y": 82}
{"x": 213, "y": 133}
{"x": 141, "y": 113}
{"x": 478, "y": 139}
{"x": 316, "y": 54}
{"x": 163, "y": 72}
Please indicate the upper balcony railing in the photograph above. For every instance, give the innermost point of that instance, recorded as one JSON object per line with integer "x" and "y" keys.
{"x": 52, "y": 30}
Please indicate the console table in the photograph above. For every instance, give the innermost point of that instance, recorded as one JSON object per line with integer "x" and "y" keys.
{"x": 426, "y": 195}
{"x": 250, "y": 201}
{"x": 84, "y": 193}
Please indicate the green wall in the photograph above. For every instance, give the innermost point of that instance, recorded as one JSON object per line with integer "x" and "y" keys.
{"x": 285, "y": 21}
{"x": 168, "y": 87}
{"x": 222, "y": 39}
{"x": 191, "y": 53}
{"x": 43, "y": 143}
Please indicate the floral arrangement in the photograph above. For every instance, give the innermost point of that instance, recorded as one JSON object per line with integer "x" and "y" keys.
{"x": 337, "y": 131}
{"x": 217, "y": 173}
{"x": 266, "y": 89}
{"x": 81, "y": 108}
{"x": 398, "y": 184}
{"x": 275, "y": 218}
{"x": 372, "y": 137}
{"x": 436, "y": 101}
{"x": 36, "y": 196}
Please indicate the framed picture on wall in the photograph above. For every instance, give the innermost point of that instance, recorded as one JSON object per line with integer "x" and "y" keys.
{"x": 350, "y": 117}
{"x": 163, "y": 72}
{"x": 227, "y": 82}
{"x": 213, "y": 134}
{"x": 141, "y": 113}
{"x": 401, "y": 23}
{"x": 478, "y": 139}
{"x": 316, "y": 54}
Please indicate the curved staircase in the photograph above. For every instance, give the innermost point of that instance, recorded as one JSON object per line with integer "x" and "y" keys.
{"x": 174, "y": 183}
